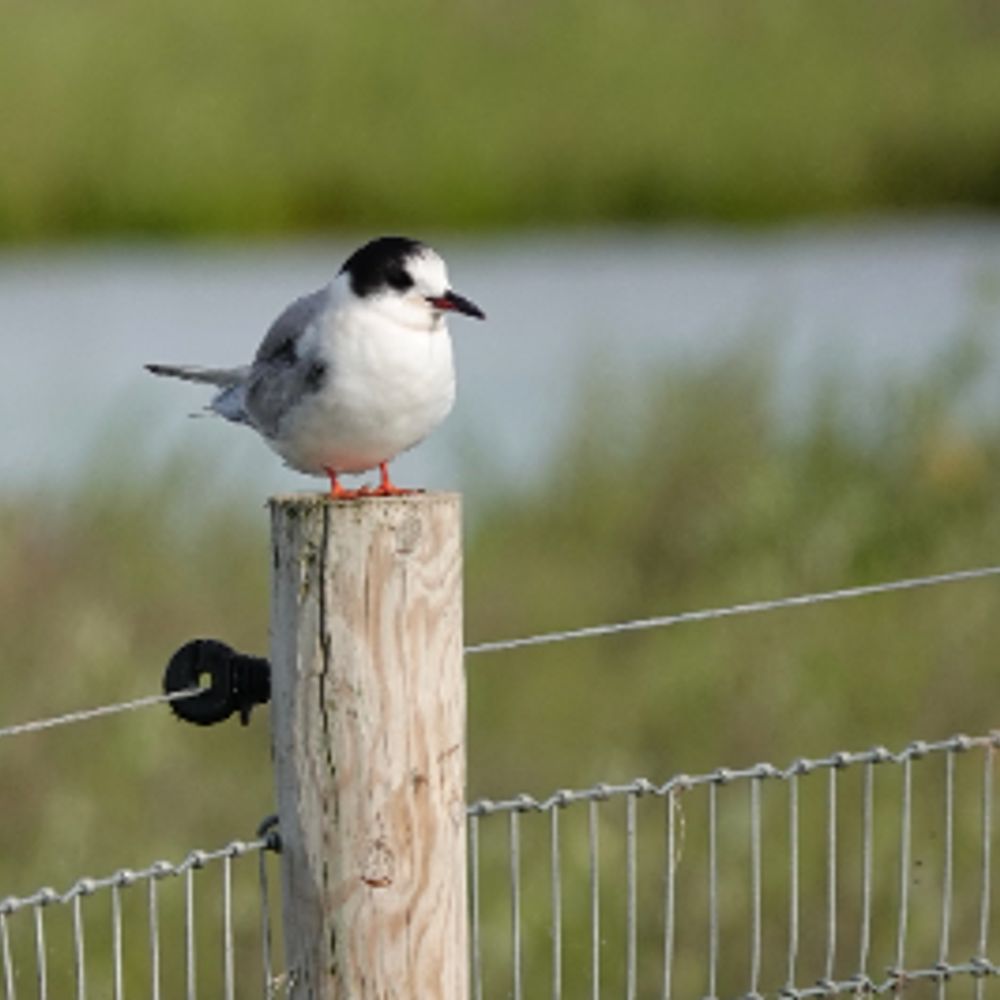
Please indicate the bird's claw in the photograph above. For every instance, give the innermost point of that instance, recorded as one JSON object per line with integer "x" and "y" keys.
{"x": 340, "y": 493}
{"x": 386, "y": 490}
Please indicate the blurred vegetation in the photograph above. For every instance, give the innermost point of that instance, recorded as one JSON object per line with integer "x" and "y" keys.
{"x": 696, "y": 496}
{"x": 228, "y": 116}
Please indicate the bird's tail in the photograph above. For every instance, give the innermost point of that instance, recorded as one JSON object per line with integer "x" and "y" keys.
{"x": 224, "y": 377}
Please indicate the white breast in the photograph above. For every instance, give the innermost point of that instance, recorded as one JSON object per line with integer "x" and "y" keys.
{"x": 387, "y": 387}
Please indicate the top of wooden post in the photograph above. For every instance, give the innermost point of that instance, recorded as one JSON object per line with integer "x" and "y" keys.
{"x": 312, "y": 501}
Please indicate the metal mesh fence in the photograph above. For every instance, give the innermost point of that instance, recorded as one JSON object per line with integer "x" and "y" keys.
{"x": 199, "y": 928}
{"x": 855, "y": 873}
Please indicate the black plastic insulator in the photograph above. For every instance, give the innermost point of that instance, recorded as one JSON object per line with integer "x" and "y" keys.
{"x": 268, "y": 832}
{"x": 236, "y": 682}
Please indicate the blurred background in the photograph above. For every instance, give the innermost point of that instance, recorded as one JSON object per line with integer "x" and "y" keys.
{"x": 742, "y": 269}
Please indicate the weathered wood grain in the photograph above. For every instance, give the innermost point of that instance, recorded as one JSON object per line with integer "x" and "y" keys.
{"x": 368, "y": 711}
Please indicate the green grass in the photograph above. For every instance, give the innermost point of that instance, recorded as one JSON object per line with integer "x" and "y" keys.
{"x": 233, "y": 117}
{"x": 691, "y": 496}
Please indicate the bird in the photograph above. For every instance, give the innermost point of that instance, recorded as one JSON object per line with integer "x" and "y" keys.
{"x": 351, "y": 375}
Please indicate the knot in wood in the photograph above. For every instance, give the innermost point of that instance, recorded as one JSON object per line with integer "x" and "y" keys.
{"x": 380, "y": 865}
{"x": 408, "y": 534}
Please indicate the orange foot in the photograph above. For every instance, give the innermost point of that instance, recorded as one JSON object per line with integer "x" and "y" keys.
{"x": 386, "y": 487}
{"x": 338, "y": 492}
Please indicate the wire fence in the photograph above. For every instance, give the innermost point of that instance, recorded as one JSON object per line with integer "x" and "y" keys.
{"x": 856, "y": 873}
{"x": 859, "y": 873}
{"x": 569, "y": 635}
{"x": 201, "y": 927}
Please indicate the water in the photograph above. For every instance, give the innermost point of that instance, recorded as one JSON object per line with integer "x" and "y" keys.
{"x": 875, "y": 299}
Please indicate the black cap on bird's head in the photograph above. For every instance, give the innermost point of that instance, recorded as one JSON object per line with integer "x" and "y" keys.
{"x": 381, "y": 264}
{"x": 408, "y": 267}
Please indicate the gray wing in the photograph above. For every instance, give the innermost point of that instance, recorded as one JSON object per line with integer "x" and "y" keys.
{"x": 280, "y": 376}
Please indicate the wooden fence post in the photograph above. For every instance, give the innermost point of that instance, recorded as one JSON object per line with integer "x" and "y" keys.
{"x": 368, "y": 719}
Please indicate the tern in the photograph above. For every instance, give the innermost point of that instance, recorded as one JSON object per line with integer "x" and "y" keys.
{"x": 351, "y": 375}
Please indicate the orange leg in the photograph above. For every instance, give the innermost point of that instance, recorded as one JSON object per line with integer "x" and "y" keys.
{"x": 386, "y": 487}
{"x": 338, "y": 492}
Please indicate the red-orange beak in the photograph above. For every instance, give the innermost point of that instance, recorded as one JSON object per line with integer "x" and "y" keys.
{"x": 453, "y": 302}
